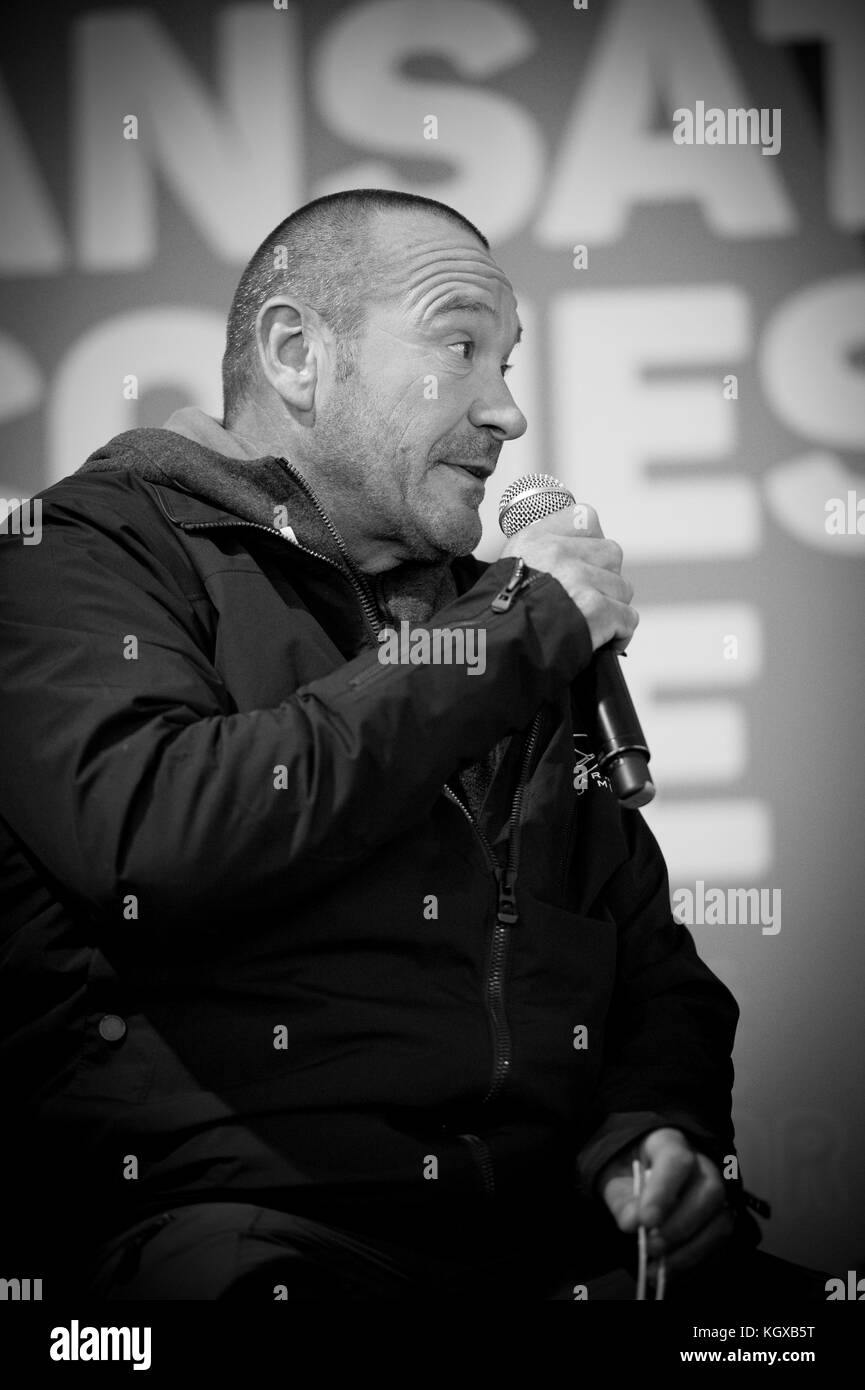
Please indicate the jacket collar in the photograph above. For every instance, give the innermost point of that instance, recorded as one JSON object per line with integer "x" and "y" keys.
{"x": 196, "y": 486}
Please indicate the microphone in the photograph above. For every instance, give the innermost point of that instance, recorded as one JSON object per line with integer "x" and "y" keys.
{"x": 623, "y": 756}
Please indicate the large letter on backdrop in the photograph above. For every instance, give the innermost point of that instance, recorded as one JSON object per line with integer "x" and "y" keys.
{"x": 700, "y": 740}
{"x": 611, "y": 425}
{"x": 172, "y": 346}
{"x": 807, "y": 363}
{"x": 492, "y": 143}
{"x": 30, "y": 237}
{"x": 611, "y": 157}
{"x": 236, "y": 171}
{"x": 841, "y": 26}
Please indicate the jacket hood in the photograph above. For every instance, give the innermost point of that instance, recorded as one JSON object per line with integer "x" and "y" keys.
{"x": 195, "y": 455}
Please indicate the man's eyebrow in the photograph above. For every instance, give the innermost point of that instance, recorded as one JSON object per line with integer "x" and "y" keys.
{"x": 466, "y": 303}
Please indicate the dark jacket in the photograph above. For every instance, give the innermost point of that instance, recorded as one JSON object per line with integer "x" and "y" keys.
{"x": 251, "y": 939}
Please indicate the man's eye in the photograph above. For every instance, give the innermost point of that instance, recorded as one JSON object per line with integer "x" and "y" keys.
{"x": 467, "y": 344}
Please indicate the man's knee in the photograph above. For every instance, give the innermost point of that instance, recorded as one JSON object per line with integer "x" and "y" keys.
{"x": 240, "y": 1252}
{"x": 192, "y": 1252}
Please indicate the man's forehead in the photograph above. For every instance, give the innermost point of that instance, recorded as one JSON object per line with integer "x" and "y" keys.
{"x": 433, "y": 263}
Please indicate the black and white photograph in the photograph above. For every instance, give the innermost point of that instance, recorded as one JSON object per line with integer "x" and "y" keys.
{"x": 432, "y": 526}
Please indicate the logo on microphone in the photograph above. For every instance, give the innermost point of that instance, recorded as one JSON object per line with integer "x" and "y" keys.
{"x": 586, "y": 766}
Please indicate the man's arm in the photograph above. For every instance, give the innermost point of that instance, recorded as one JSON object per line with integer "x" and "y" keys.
{"x": 667, "y": 1055}
{"x": 136, "y": 776}
{"x": 665, "y": 1088}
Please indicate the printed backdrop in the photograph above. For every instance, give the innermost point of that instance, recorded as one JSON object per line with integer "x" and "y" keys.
{"x": 692, "y": 365}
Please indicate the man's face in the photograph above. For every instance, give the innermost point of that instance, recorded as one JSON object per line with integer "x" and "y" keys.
{"x": 416, "y": 429}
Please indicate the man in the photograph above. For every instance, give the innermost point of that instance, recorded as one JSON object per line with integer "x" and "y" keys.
{"x": 321, "y": 978}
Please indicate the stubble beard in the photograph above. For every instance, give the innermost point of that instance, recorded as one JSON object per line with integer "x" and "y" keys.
{"x": 384, "y": 502}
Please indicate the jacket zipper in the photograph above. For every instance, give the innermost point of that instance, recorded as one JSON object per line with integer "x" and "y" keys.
{"x": 507, "y": 914}
{"x": 505, "y": 597}
{"x": 367, "y": 604}
{"x": 507, "y": 917}
{"x": 484, "y": 1159}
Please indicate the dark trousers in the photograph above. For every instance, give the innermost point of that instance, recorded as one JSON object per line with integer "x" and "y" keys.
{"x": 243, "y": 1252}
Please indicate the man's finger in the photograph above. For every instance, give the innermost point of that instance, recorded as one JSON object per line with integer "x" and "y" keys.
{"x": 710, "y": 1238}
{"x": 584, "y": 520}
{"x": 578, "y": 520}
{"x": 673, "y": 1165}
{"x": 607, "y": 582}
{"x": 698, "y": 1204}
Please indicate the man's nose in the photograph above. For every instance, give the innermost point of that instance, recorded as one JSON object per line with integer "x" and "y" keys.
{"x": 499, "y": 412}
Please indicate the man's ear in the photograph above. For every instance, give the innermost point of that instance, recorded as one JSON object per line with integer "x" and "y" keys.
{"x": 290, "y": 340}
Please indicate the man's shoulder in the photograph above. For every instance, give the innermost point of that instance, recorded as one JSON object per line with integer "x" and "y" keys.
{"x": 127, "y": 477}
{"x": 114, "y": 509}
{"x": 119, "y": 466}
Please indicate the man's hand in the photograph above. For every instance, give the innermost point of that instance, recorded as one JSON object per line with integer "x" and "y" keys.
{"x": 571, "y": 546}
{"x": 682, "y": 1205}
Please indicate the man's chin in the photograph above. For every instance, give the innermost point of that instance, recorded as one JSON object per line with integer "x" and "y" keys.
{"x": 439, "y": 532}
{"x": 458, "y": 534}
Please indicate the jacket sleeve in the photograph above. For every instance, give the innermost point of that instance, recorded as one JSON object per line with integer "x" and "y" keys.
{"x": 127, "y": 769}
{"x": 667, "y": 1055}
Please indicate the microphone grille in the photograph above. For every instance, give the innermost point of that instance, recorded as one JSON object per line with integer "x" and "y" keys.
{"x": 529, "y": 499}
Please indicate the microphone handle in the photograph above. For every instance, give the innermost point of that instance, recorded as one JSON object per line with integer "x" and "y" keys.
{"x": 623, "y": 755}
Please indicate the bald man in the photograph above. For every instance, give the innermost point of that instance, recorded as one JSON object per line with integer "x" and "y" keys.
{"x": 318, "y": 962}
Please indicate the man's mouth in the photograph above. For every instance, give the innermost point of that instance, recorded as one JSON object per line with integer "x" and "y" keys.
{"x": 476, "y": 470}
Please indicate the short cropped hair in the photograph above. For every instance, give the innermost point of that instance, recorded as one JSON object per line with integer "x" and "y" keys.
{"x": 322, "y": 254}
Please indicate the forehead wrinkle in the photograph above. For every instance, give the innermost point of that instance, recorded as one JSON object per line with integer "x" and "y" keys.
{"x": 440, "y": 282}
{"x": 431, "y": 302}
{"x": 416, "y": 265}
{"x": 466, "y": 305}
{"x": 423, "y": 250}
{"x": 410, "y": 263}
{"x": 443, "y": 291}
{"x": 419, "y": 275}
{"x": 428, "y": 268}
{"x": 456, "y": 302}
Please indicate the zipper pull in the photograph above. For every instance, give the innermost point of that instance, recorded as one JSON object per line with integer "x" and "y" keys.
{"x": 506, "y": 911}
{"x": 505, "y": 597}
